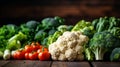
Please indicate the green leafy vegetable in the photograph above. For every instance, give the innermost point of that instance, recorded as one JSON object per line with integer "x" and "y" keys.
{"x": 48, "y": 23}
{"x": 85, "y": 27}
{"x": 110, "y": 24}
{"x": 115, "y": 55}
{"x": 89, "y": 54}
{"x": 15, "y": 41}
{"x": 103, "y": 42}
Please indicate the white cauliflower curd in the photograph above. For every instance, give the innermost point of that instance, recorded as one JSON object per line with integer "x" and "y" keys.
{"x": 69, "y": 46}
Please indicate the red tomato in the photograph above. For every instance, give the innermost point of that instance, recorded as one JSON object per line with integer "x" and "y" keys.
{"x": 35, "y": 47}
{"x": 42, "y": 50}
{"x": 40, "y": 46}
{"x": 33, "y": 55}
{"x": 27, "y": 56}
{"x": 28, "y": 48}
{"x": 44, "y": 56}
{"x": 19, "y": 54}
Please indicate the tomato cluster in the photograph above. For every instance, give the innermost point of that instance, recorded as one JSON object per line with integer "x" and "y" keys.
{"x": 33, "y": 51}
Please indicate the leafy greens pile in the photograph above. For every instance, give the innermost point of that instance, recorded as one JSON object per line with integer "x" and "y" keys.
{"x": 105, "y": 39}
{"x": 13, "y": 37}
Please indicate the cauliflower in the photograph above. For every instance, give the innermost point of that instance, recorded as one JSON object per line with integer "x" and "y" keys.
{"x": 69, "y": 46}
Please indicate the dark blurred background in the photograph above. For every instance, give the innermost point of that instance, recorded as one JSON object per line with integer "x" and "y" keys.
{"x": 18, "y": 11}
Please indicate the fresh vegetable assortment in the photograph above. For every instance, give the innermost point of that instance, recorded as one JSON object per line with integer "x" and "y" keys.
{"x": 51, "y": 39}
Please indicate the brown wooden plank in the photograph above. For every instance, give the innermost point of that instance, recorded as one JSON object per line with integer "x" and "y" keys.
{"x": 42, "y": 64}
{"x": 70, "y": 64}
{"x": 28, "y": 63}
{"x": 3, "y": 62}
{"x": 106, "y": 64}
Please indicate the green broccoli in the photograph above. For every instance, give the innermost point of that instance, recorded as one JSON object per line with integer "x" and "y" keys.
{"x": 115, "y": 31}
{"x": 89, "y": 31}
{"x": 40, "y": 35}
{"x": 64, "y": 28}
{"x": 48, "y": 23}
{"x": 52, "y": 31}
{"x": 115, "y": 55}
{"x": 32, "y": 24}
{"x": 110, "y": 24}
{"x": 103, "y": 42}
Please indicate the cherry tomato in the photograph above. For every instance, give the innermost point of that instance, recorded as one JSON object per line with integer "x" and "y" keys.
{"x": 40, "y": 46}
{"x": 27, "y": 56}
{"x": 19, "y": 54}
{"x": 44, "y": 56}
{"x": 33, "y": 55}
{"x": 28, "y": 48}
{"x": 35, "y": 47}
{"x": 42, "y": 50}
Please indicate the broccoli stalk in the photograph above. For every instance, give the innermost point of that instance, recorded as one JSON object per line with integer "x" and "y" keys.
{"x": 99, "y": 53}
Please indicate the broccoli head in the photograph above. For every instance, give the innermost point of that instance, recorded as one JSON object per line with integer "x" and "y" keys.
{"x": 115, "y": 55}
{"x": 40, "y": 35}
{"x": 32, "y": 24}
{"x": 64, "y": 28}
{"x": 49, "y": 22}
{"x": 103, "y": 42}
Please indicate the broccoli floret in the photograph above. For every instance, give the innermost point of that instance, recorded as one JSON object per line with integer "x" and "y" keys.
{"x": 32, "y": 24}
{"x": 44, "y": 41}
{"x": 110, "y": 24}
{"x": 89, "y": 31}
{"x": 115, "y": 55}
{"x": 64, "y": 28}
{"x": 103, "y": 42}
{"x": 40, "y": 35}
{"x": 52, "y": 31}
{"x": 49, "y": 22}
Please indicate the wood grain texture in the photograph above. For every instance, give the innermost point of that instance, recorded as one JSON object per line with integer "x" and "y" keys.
{"x": 3, "y": 62}
{"x": 27, "y": 63}
{"x": 70, "y": 64}
{"x": 106, "y": 64}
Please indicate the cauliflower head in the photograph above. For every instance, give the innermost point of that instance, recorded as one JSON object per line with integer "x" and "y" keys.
{"x": 69, "y": 46}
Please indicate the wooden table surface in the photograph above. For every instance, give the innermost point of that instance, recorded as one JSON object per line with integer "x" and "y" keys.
{"x": 37, "y": 63}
